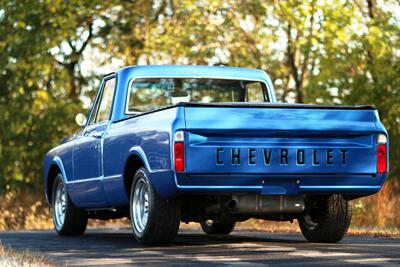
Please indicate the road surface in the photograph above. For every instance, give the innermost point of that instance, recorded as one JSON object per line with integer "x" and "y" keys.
{"x": 116, "y": 247}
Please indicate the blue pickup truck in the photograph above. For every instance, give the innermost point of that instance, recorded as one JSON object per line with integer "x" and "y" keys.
{"x": 170, "y": 144}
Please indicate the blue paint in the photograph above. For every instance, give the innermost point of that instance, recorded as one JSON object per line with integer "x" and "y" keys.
{"x": 93, "y": 161}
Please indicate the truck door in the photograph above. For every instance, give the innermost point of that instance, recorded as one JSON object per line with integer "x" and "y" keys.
{"x": 87, "y": 185}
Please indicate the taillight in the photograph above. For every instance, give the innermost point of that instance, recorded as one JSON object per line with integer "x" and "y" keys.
{"x": 381, "y": 166}
{"x": 179, "y": 152}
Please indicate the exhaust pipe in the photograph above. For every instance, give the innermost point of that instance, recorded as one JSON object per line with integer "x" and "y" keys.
{"x": 266, "y": 204}
{"x": 255, "y": 204}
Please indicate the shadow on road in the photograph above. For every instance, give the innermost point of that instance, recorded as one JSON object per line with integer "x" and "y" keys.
{"x": 118, "y": 247}
{"x": 195, "y": 239}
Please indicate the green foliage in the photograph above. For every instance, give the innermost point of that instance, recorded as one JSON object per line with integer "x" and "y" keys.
{"x": 333, "y": 52}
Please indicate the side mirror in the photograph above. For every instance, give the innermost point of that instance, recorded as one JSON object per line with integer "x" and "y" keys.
{"x": 80, "y": 119}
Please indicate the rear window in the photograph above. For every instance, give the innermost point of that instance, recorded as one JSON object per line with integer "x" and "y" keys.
{"x": 146, "y": 94}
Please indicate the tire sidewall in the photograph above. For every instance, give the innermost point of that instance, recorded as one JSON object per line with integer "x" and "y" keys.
{"x": 333, "y": 223}
{"x": 57, "y": 181}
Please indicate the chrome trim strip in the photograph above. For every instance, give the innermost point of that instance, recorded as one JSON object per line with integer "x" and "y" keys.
{"x": 260, "y": 187}
{"x": 95, "y": 178}
{"x": 85, "y": 180}
{"x": 339, "y": 186}
{"x": 112, "y": 177}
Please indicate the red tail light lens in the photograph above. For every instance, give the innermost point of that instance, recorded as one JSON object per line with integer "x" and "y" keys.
{"x": 382, "y": 158}
{"x": 179, "y": 156}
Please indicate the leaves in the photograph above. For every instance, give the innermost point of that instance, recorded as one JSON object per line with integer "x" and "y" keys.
{"x": 52, "y": 53}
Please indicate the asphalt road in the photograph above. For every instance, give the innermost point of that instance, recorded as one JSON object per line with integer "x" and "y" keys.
{"x": 111, "y": 247}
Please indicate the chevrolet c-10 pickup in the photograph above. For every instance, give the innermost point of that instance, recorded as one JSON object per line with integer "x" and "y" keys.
{"x": 169, "y": 144}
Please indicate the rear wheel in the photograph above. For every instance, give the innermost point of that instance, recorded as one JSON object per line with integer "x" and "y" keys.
{"x": 326, "y": 220}
{"x": 222, "y": 226}
{"x": 67, "y": 219}
{"x": 154, "y": 220}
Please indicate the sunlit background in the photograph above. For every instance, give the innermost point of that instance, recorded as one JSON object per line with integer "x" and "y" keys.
{"x": 53, "y": 52}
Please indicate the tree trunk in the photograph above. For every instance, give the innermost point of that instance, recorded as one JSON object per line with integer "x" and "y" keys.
{"x": 73, "y": 93}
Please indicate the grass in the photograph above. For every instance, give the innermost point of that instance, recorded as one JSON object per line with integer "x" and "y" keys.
{"x": 11, "y": 258}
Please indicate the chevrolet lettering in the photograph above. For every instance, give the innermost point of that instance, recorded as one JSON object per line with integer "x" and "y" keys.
{"x": 164, "y": 145}
{"x": 255, "y": 156}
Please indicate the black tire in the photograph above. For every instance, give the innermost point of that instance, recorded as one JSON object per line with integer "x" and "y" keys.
{"x": 223, "y": 226}
{"x": 326, "y": 220}
{"x": 163, "y": 215}
{"x": 75, "y": 219}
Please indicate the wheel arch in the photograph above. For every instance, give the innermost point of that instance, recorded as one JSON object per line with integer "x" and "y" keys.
{"x": 134, "y": 161}
{"x": 55, "y": 168}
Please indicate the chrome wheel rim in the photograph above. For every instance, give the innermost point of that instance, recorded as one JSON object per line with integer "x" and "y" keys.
{"x": 140, "y": 206}
{"x": 60, "y": 205}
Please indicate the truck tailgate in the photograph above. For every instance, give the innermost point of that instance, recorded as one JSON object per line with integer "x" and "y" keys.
{"x": 280, "y": 140}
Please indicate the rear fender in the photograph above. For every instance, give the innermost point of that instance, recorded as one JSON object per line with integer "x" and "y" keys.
{"x": 162, "y": 180}
{"x": 138, "y": 151}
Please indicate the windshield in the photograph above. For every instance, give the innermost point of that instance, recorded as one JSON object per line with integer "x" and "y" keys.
{"x": 146, "y": 94}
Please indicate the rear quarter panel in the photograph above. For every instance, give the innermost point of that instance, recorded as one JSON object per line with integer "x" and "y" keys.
{"x": 149, "y": 137}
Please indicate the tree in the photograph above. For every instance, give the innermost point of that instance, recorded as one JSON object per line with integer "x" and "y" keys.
{"x": 39, "y": 90}
{"x": 325, "y": 52}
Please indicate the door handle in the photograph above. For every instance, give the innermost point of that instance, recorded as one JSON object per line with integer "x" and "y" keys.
{"x": 96, "y": 135}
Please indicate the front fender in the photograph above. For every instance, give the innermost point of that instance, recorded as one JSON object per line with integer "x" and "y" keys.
{"x": 52, "y": 165}
{"x": 57, "y": 161}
